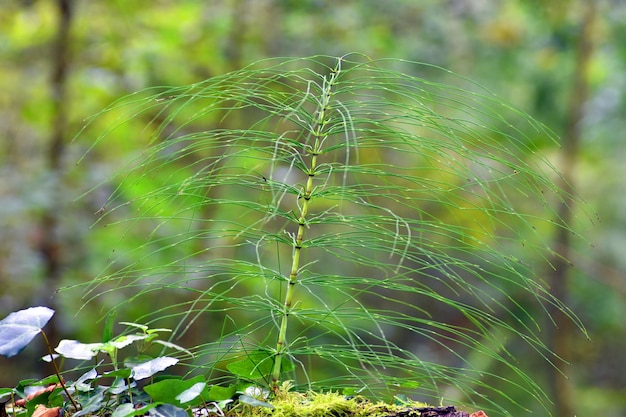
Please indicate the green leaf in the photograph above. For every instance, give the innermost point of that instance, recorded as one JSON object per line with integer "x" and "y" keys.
{"x": 49, "y": 380}
{"x": 81, "y": 383}
{"x": 25, "y": 383}
{"x": 246, "y": 399}
{"x": 167, "y": 390}
{"x": 349, "y": 391}
{"x": 120, "y": 373}
{"x": 258, "y": 364}
{"x": 168, "y": 410}
{"x": 6, "y": 393}
{"x": 19, "y": 328}
{"x": 73, "y": 349}
{"x": 48, "y": 358}
{"x": 191, "y": 393}
{"x": 401, "y": 399}
{"x": 217, "y": 393}
{"x": 119, "y": 386}
{"x": 107, "y": 332}
{"x": 123, "y": 410}
{"x": 129, "y": 410}
{"x": 94, "y": 402}
{"x": 151, "y": 367}
{"x": 57, "y": 398}
{"x": 122, "y": 341}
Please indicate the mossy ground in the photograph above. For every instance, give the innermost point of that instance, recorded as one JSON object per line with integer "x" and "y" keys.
{"x": 315, "y": 404}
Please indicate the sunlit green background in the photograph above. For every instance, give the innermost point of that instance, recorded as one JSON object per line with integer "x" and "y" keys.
{"x": 56, "y": 69}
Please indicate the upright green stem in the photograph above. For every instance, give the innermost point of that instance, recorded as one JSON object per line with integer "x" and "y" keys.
{"x": 318, "y": 135}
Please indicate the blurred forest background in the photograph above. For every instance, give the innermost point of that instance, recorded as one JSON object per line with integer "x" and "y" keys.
{"x": 61, "y": 61}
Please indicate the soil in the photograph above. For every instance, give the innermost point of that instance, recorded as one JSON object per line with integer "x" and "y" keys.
{"x": 449, "y": 411}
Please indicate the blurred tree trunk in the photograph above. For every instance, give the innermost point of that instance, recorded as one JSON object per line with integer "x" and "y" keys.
{"x": 51, "y": 245}
{"x": 562, "y": 335}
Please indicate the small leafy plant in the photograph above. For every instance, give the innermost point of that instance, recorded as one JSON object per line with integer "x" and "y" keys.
{"x": 322, "y": 220}
{"x": 109, "y": 387}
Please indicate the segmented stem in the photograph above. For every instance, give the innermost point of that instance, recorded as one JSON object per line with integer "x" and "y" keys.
{"x": 318, "y": 135}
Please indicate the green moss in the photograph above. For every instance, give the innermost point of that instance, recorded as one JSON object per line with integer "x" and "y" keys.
{"x": 314, "y": 404}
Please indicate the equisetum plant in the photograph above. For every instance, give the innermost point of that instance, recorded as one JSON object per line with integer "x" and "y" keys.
{"x": 335, "y": 222}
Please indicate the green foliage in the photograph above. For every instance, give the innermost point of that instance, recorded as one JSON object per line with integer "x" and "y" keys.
{"x": 90, "y": 394}
{"x": 258, "y": 364}
{"x": 324, "y": 210}
{"x": 175, "y": 391}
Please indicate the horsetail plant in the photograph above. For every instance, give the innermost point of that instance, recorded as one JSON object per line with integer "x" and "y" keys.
{"x": 408, "y": 213}
{"x": 312, "y": 148}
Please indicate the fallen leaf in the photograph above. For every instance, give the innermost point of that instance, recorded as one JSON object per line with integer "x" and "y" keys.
{"x": 22, "y": 401}
{"x": 43, "y": 411}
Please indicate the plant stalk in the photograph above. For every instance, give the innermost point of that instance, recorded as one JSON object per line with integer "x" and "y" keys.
{"x": 318, "y": 134}
{"x": 57, "y": 372}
